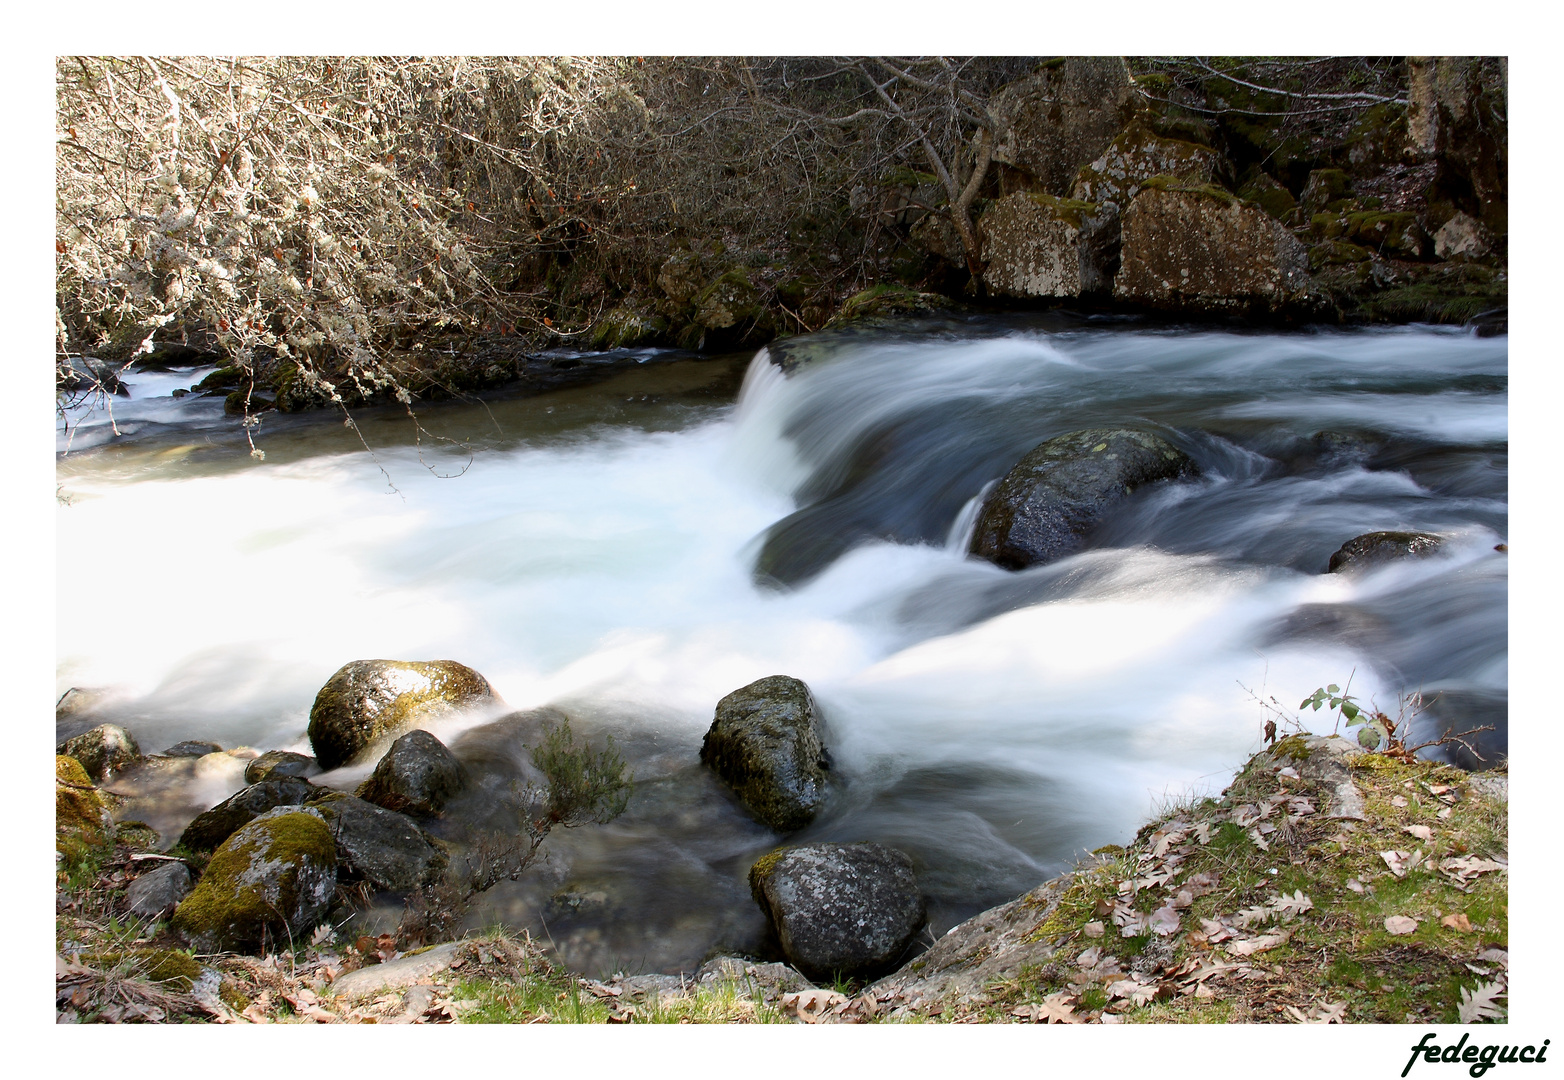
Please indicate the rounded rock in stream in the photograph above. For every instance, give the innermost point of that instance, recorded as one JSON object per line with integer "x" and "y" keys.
{"x": 1376, "y": 548}
{"x": 104, "y": 750}
{"x": 379, "y": 846}
{"x": 212, "y": 827}
{"x": 279, "y": 765}
{"x": 367, "y": 700}
{"x": 765, "y": 743}
{"x": 418, "y": 775}
{"x": 1045, "y": 505}
{"x": 840, "y": 909}
{"x": 267, "y": 885}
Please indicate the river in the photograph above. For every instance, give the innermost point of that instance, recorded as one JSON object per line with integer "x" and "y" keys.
{"x": 596, "y": 549}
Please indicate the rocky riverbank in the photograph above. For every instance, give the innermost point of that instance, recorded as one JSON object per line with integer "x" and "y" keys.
{"x": 1106, "y": 186}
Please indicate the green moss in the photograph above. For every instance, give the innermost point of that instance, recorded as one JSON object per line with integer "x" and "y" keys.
{"x": 1070, "y": 211}
{"x": 367, "y": 700}
{"x": 1171, "y": 183}
{"x": 1293, "y": 747}
{"x": 887, "y": 301}
{"x": 169, "y": 966}
{"x": 81, "y": 818}
{"x": 233, "y": 905}
{"x": 761, "y": 870}
{"x": 625, "y": 327}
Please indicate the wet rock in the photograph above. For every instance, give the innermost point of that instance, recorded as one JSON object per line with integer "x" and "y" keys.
{"x": 103, "y": 751}
{"x": 1463, "y": 237}
{"x": 1044, "y": 507}
{"x": 266, "y": 886}
{"x": 278, "y": 765}
{"x": 216, "y": 825}
{"x": 1039, "y": 245}
{"x": 1136, "y": 155}
{"x": 765, "y": 743}
{"x": 367, "y": 700}
{"x": 1376, "y": 548}
{"x": 840, "y": 909}
{"x": 379, "y": 846}
{"x": 192, "y": 748}
{"x": 81, "y": 817}
{"x": 418, "y": 775}
{"x": 1324, "y": 187}
{"x": 1194, "y": 247}
{"x": 1062, "y": 118}
{"x": 158, "y": 892}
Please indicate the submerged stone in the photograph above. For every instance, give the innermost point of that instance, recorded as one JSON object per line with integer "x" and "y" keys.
{"x": 417, "y": 775}
{"x": 367, "y": 700}
{"x": 216, "y": 825}
{"x": 104, "y": 750}
{"x": 1045, "y": 505}
{"x": 1377, "y": 548}
{"x": 278, "y": 765}
{"x": 765, "y": 743}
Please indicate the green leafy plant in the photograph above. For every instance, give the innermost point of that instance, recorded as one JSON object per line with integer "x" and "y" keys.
{"x": 1375, "y": 729}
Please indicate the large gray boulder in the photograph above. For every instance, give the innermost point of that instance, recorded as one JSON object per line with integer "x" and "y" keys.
{"x": 1195, "y": 247}
{"x": 265, "y": 887}
{"x": 1136, "y": 155}
{"x": 1058, "y": 120}
{"x": 368, "y": 700}
{"x": 765, "y": 743}
{"x": 1039, "y": 245}
{"x": 840, "y": 909}
{"x": 379, "y": 846}
{"x": 1377, "y": 548}
{"x": 418, "y": 776}
{"x": 102, "y": 751}
{"x": 212, "y": 827}
{"x": 1045, "y": 505}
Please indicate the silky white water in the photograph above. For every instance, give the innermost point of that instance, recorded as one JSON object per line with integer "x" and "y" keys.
{"x": 993, "y": 724}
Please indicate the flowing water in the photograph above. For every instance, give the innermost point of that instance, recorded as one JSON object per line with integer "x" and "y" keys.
{"x": 599, "y": 554}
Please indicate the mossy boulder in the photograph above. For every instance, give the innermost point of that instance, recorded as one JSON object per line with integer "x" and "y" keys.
{"x": 211, "y": 827}
{"x": 1323, "y": 188}
{"x": 81, "y": 818}
{"x": 840, "y": 909}
{"x": 1464, "y": 237}
{"x": 378, "y": 846}
{"x": 727, "y": 301}
{"x": 1196, "y": 248}
{"x": 883, "y": 303}
{"x": 1046, "y": 505}
{"x": 266, "y": 886}
{"x": 1136, "y": 155}
{"x": 368, "y": 700}
{"x": 1378, "y": 548}
{"x": 280, "y": 765}
{"x": 1063, "y": 117}
{"x": 1265, "y": 192}
{"x": 626, "y": 327}
{"x": 103, "y": 751}
{"x": 765, "y": 743}
{"x": 417, "y": 775}
{"x": 1042, "y": 246}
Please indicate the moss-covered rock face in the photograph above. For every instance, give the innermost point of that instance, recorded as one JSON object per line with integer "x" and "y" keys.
{"x": 211, "y": 827}
{"x": 103, "y": 751}
{"x": 368, "y": 700}
{"x": 1195, "y": 248}
{"x": 626, "y": 327}
{"x": 883, "y": 303}
{"x": 1063, "y": 117}
{"x": 728, "y": 301}
{"x": 268, "y": 883}
{"x": 765, "y": 743}
{"x": 1262, "y": 190}
{"x": 1377, "y": 548}
{"x": 81, "y": 818}
{"x": 1039, "y": 245}
{"x": 1045, "y": 506}
{"x": 1136, "y": 155}
{"x": 418, "y": 775}
{"x": 840, "y": 909}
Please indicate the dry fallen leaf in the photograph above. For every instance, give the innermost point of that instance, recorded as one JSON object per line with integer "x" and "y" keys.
{"x": 1263, "y": 943}
{"x": 1400, "y": 924}
{"x": 1479, "y": 1004}
{"x": 1421, "y": 832}
{"x": 811, "y": 1005}
{"x": 1056, "y": 1009}
{"x": 1398, "y": 800}
{"x": 1093, "y": 929}
{"x": 1163, "y": 922}
{"x": 1457, "y": 921}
